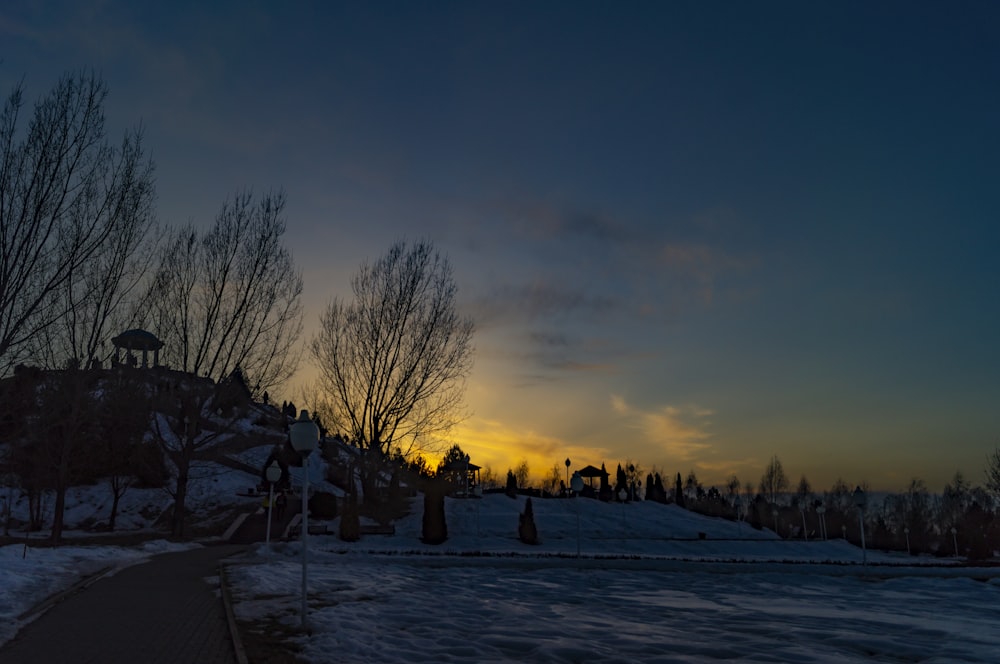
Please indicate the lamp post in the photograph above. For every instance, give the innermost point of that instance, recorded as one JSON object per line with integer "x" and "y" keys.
{"x": 567, "y": 475}
{"x": 802, "y": 511}
{"x": 622, "y": 495}
{"x": 273, "y": 474}
{"x": 860, "y": 499}
{"x": 631, "y": 483}
{"x": 478, "y": 490}
{"x": 774, "y": 513}
{"x": 577, "y": 485}
{"x": 821, "y": 510}
{"x": 304, "y": 435}
{"x": 906, "y": 531}
{"x": 467, "y": 458}
{"x": 954, "y": 539}
{"x": 738, "y": 504}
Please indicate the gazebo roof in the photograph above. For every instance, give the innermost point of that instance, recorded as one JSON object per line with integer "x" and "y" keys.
{"x": 590, "y": 471}
{"x": 459, "y": 466}
{"x": 137, "y": 340}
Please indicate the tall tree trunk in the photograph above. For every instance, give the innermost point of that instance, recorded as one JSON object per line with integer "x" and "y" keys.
{"x": 177, "y": 523}
{"x": 57, "y": 516}
{"x": 114, "y": 510}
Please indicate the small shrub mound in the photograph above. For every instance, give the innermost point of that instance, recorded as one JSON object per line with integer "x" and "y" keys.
{"x": 526, "y": 528}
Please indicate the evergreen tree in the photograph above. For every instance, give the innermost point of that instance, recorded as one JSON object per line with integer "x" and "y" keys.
{"x": 604, "y": 493}
{"x": 526, "y": 528}
{"x": 435, "y": 528}
{"x": 511, "y": 484}
{"x": 679, "y": 492}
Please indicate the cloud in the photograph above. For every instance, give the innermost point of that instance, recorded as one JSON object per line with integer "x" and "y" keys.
{"x": 500, "y": 445}
{"x": 541, "y": 299}
{"x": 679, "y": 432}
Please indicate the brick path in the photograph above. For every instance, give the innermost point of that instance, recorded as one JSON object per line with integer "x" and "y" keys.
{"x": 159, "y": 612}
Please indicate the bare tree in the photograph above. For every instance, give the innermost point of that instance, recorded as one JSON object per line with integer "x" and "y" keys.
{"x": 64, "y": 191}
{"x": 230, "y": 298}
{"x": 522, "y": 473}
{"x": 773, "y": 482}
{"x": 993, "y": 472}
{"x": 393, "y": 361}
{"x": 123, "y": 419}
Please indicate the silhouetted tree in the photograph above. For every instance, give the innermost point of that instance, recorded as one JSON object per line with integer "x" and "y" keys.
{"x": 773, "y": 482}
{"x": 679, "y": 492}
{"x": 69, "y": 200}
{"x": 393, "y": 361}
{"x": 993, "y": 473}
{"x": 511, "y": 484}
{"x": 604, "y": 493}
{"x": 230, "y": 297}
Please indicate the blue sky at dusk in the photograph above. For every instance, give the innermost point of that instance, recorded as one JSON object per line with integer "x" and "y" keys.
{"x": 692, "y": 234}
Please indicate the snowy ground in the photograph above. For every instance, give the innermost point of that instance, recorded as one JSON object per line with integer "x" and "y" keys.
{"x": 635, "y": 594}
{"x": 29, "y": 575}
{"x": 646, "y": 587}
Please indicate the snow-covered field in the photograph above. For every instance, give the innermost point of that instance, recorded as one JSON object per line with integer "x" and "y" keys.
{"x": 646, "y": 587}
{"x": 635, "y": 594}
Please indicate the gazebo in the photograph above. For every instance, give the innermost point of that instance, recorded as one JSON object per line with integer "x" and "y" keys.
{"x": 589, "y": 473}
{"x": 462, "y": 474}
{"x": 135, "y": 340}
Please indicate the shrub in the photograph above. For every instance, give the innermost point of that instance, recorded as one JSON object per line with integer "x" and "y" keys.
{"x": 526, "y": 528}
{"x": 323, "y": 505}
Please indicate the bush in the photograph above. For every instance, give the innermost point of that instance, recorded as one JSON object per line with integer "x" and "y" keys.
{"x": 323, "y": 505}
{"x": 526, "y": 528}
{"x": 350, "y": 522}
{"x": 435, "y": 529}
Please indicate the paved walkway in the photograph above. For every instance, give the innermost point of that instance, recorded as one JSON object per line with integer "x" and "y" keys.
{"x": 159, "y": 612}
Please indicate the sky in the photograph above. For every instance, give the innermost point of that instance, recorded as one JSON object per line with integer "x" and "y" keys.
{"x": 692, "y": 235}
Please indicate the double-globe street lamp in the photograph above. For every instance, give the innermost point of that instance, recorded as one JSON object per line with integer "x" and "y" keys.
{"x": 272, "y": 474}
{"x": 304, "y": 435}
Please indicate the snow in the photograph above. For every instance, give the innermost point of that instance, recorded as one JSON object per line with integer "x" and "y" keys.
{"x": 28, "y": 575}
{"x": 646, "y": 587}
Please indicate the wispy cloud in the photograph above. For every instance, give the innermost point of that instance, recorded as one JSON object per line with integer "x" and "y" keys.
{"x": 679, "y": 432}
{"x": 541, "y": 299}
{"x": 501, "y": 445}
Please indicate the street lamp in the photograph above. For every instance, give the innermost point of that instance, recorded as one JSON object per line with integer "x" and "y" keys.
{"x": 304, "y": 435}
{"x": 738, "y": 504}
{"x": 774, "y": 513}
{"x": 478, "y": 491}
{"x": 860, "y": 499}
{"x": 467, "y": 458}
{"x": 802, "y": 511}
{"x": 954, "y": 540}
{"x": 567, "y": 475}
{"x": 821, "y": 510}
{"x": 273, "y": 474}
{"x": 906, "y": 531}
{"x": 577, "y": 485}
{"x": 622, "y": 495}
